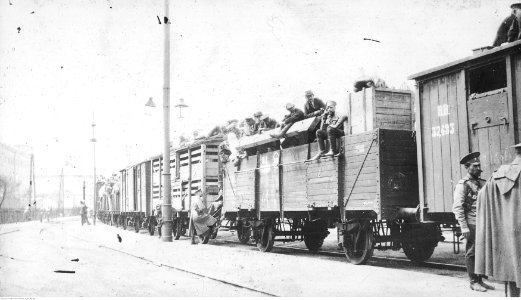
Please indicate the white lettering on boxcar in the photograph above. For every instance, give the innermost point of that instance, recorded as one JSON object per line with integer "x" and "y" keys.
{"x": 443, "y": 110}
{"x": 443, "y": 129}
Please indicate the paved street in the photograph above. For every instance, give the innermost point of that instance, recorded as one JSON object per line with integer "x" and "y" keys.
{"x": 141, "y": 265}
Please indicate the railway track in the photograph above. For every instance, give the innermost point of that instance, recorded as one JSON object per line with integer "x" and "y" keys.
{"x": 189, "y": 272}
{"x": 399, "y": 261}
{"x": 159, "y": 264}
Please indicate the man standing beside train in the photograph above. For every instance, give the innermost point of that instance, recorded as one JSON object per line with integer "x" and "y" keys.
{"x": 498, "y": 226}
{"x": 464, "y": 208}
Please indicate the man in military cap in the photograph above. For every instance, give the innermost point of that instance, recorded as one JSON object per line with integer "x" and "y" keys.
{"x": 508, "y": 30}
{"x": 332, "y": 128}
{"x": 464, "y": 208}
{"x": 498, "y": 226}
{"x": 314, "y": 107}
{"x": 294, "y": 115}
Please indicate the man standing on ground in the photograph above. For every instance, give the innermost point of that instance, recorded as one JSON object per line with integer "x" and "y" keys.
{"x": 464, "y": 208}
{"x": 84, "y": 210}
{"x": 498, "y": 226}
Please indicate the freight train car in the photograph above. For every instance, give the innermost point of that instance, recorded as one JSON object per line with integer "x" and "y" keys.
{"x": 139, "y": 193}
{"x": 464, "y": 106}
{"x": 197, "y": 167}
{"x": 369, "y": 192}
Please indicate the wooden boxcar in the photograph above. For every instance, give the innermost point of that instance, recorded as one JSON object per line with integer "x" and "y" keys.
{"x": 139, "y": 193}
{"x": 136, "y": 196}
{"x": 369, "y": 192}
{"x": 197, "y": 167}
{"x": 465, "y": 106}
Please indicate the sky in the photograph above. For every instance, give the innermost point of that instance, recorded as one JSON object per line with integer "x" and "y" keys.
{"x": 75, "y": 62}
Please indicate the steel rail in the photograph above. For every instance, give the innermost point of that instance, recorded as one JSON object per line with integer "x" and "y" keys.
{"x": 432, "y": 265}
{"x": 189, "y": 272}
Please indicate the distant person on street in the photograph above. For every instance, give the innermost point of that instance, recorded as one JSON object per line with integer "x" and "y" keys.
{"x": 464, "y": 208}
{"x": 332, "y": 128}
{"x": 159, "y": 218}
{"x": 508, "y": 30}
{"x": 294, "y": 115}
{"x": 498, "y": 226}
{"x": 202, "y": 221}
{"x": 84, "y": 217}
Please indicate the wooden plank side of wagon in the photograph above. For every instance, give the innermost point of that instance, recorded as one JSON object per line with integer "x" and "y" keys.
{"x": 269, "y": 186}
{"x": 361, "y": 171}
{"x": 293, "y": 177}
{"x": 322, "y": 182}
{"x": 239, "y": 185}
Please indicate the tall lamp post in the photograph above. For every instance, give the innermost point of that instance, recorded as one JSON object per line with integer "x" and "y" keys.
{"x": 93, "y": 140}
{"x": 166, "y": 207}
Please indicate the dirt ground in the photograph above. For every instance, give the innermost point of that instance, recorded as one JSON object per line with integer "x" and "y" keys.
{"x": 142, "y": 265}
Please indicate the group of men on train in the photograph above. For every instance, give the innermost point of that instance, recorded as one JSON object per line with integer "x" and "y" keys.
{"x": 485, "y": 209}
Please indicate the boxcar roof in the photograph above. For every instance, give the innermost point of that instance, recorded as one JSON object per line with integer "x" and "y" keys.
{"x": 461, "y": 63}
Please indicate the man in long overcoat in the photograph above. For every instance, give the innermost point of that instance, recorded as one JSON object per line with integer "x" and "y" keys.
{"x": 498, "y": 226}
{"x": 202, "y": 220}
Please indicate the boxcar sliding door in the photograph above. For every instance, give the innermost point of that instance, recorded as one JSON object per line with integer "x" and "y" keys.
{"x": 491, "y": 123}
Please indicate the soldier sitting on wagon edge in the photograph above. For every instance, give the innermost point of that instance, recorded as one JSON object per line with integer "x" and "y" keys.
{"x": 332, "y": 127}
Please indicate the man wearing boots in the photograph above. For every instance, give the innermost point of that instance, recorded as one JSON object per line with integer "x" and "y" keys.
{"x": 464, "y": 208}
{"x": 332, "y": 128}
{"x": 498, "y": 226}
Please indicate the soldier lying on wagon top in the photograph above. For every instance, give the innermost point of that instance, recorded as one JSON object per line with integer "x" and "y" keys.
{"x": 294, "y": 115}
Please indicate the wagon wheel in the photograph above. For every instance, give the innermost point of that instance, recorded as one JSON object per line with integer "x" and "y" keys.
{"x": 267, "y": 235}
{"x": 151, "y": 226}
{"x": 313, "y": 244}
{"x": 124, "y": 222}
{"x": 419, "y": 251}
{"x": 243, "y": 232}
{"x": 358, "y": 245}
{"x": 136, "y": 225}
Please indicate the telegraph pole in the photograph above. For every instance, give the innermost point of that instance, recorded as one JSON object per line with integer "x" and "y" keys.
{"x": 93, "y": 140}
{"x": 167, "y": 200}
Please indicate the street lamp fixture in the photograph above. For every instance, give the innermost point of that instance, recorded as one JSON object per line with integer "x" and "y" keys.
{"x": 181, "y": 104}
{"x": 150, "y": 103}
